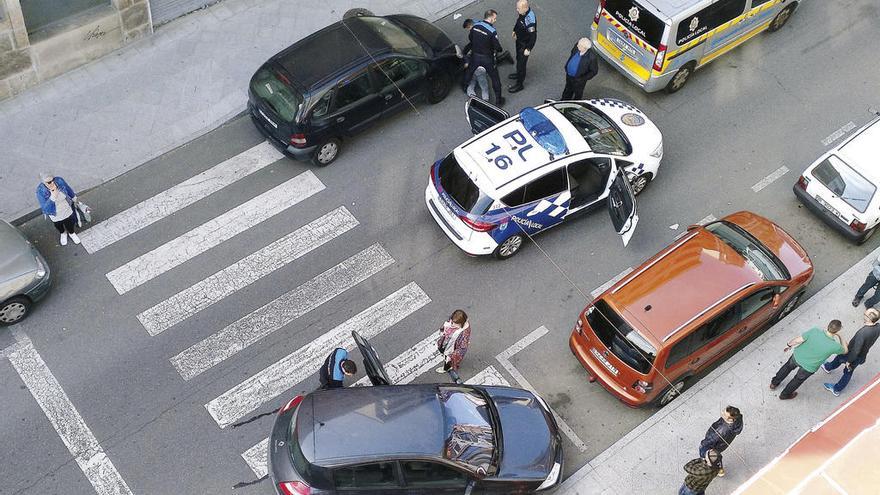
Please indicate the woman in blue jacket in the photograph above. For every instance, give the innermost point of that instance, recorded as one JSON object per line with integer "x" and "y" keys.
{"x": 57, "y": 202}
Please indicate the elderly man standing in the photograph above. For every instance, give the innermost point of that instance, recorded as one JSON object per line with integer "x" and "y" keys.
{"x": 582, "y": 65}
{"x": 525, "y": 33}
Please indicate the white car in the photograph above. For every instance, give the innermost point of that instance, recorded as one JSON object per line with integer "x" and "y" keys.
{"x": 522, "y": 175}
{"x": 840, "y": 187}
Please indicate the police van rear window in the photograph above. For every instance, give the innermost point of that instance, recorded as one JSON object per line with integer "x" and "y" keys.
{"x": 639, "y": 20}
{"x": 457, "y": 184}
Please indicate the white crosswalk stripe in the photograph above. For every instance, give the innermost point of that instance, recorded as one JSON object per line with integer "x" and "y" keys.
{"x": 302, "y": 363}
{"x": 412, "y": 363}
{"x": 278, "y": 313}
{"x": 178, "y": 197}
{"x": 246, "y": 271}
{"x": 212, "y": 233}
{"x": 257, "y": 458}
{"x": 489, "y": 376}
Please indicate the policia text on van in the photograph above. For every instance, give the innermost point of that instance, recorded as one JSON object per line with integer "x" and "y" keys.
{"x": 658, "y": 44}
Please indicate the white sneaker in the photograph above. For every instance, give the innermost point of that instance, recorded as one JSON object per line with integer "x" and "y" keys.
{"x": 64, "y": 239}
{"x": 75, "y": 238}
{"x": 440, "y": 370}
{"x": 825, "y": 369}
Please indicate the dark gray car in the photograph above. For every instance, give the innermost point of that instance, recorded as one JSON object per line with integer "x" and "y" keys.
{"x": 24, "y": 275}
{"x": 431, "y": 439}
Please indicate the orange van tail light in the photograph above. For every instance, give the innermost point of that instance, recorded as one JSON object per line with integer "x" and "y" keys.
{"x": 643, "y": 386}
{"x": 658, "y": 60}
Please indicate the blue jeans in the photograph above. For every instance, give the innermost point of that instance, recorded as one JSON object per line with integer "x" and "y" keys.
{"x": 684, "y": 490}
{"x": 847, "y": 373}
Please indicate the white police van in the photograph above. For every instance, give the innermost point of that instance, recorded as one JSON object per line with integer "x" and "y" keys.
{"x": 524, "y": 174}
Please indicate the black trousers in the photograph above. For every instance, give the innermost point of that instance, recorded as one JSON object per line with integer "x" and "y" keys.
{"x": 66, "y": 225}
{"x": 574, "y": 88}
{"x": 795, "y": 382}
{"x": 521, "y": 61}
{"x": 488, "y": 63}
{"x": 870, "y": 283}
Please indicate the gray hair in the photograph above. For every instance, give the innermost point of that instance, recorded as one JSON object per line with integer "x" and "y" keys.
{"x": 46, "y": 176}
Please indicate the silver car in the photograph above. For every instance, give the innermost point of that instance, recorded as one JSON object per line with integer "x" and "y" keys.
{"x": 24, "y": 275}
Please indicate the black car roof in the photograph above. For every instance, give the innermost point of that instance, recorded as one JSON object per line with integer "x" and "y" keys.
{"x": 370, "y": 422}
{"x": 343, "y": 44}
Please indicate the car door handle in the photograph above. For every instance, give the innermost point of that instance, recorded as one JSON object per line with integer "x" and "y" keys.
{"x": 389, "y": 96}
{"x": 340, "y": 119}
{"x": 743, "y": 329}
{"x": 695, "y": 361}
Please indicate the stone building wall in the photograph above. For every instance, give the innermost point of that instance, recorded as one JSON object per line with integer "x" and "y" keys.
{"x": 27, "y": 59}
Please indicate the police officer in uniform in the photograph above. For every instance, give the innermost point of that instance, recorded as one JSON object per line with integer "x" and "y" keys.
{"x": 483, "y": 41}
{"x": 525, "y": 33}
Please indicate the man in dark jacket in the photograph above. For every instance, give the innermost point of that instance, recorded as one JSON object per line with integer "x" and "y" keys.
{"x": 582, "y": 65}
{"x": 525, "y": 33}
{"x": 722, "y": 432}
{"x": 858, "y": 348}
{"x": 484, "y": 44}
{"x": 700, "y": 472}
{"x": 336, "y": 367}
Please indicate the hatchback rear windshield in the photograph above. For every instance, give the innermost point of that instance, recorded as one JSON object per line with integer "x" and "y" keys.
{"x": 456, "y": 182}
{"x": 398, "y": 39}
{"x": 470, "y": 437}
{"x": 845, "y": 183}
{"x": 300, "y": 463}
{"x": 620, "y": 338}
{"x": 273, "y": 89}
{"x": 757, "y": 256}
{"x": 637, "y": 19}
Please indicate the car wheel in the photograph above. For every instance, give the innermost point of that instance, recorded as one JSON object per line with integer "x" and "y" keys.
{"x": 670, "y": 393}
{"x": 14, "y": 310}
{"x": 681, "y": 77}
{"x": 438, "y": 88}
{"x": 789, "y": 307}
{"x": 358, "y": 12}
{"x": 509, "y": 247}
{"x": 326, "y": 152}
{"x": 780, "y": 19}
{"x": 639, "y": 182}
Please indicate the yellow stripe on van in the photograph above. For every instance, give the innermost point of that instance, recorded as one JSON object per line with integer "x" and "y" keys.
{"x": 629, "y": 64}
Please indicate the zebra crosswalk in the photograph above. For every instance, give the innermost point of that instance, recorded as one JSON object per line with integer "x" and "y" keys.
{"x": 179, "y": 311}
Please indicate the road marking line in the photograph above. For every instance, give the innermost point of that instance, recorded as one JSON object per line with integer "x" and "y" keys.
{"x": 66, "y": 420}
{"x": 602, "y": 288}
{"x": 707, "y": 219}
{"x": 242, "y": 273}
{"x": 490, "y": 377}
{"x": 834, "y": 136}
{"x": 276, "y": 314}
{"x": 305, "y": 361}
{"x": 504, "y": 360}
{"x": 416, "y": 360}
{"x": 225, "y": 226}
{"x": 766, "y": 181}
{"x": 178, "y": 197}
{"x": 257, "y": 458}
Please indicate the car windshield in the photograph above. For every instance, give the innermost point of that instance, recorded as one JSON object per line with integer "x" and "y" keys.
{"x": 601, "y": 135}
{"x": 274, "y": 90}
{"x": 398, "y": 39}
{"x": 469, "y": 436}
{"x": 845, "y": 183}
{"x": 758, "y": 257}
{"x": 620, "y": 338}
{"x": 462, "y": 189}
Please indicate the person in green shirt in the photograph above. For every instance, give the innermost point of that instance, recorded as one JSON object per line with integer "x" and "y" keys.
{"x": 811, "y": 350}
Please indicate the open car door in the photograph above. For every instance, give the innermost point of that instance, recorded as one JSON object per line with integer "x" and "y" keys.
{"x": 372, "y": 365}
{"x": 482, "y": 115}
{"x": 622, "y": 206}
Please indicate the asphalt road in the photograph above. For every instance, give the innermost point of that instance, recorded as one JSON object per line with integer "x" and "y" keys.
{"x": 768, "y": 104}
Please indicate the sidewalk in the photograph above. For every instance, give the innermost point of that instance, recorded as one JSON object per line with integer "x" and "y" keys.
{"x": 649, "y": 459}
{"x": 100, "y": 120}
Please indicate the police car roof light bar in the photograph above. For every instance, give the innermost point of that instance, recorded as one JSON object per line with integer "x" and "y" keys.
{"x": 542, "y": 129}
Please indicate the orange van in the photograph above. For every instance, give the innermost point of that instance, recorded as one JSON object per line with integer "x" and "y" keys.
{"x": 650, "y": 333}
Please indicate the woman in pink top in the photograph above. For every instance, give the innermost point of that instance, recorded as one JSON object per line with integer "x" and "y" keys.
{"x": 455, "y": 336}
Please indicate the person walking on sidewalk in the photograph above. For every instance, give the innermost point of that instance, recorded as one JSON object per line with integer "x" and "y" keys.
{"x": 700, "y": 472}
{"x": 582, "y": 65}
{"x": 811, "y": 350}
{"x": 857, "y": 353}
{"x": 484, "y": 44}
{"x": 525, "y": 33}
{"x": 336, "y": 367}
{"x": 455, "y": 337}
{"x": 57, "y": 200}
{"x": 871, "y": 282}
{"x": 722, "y": 432}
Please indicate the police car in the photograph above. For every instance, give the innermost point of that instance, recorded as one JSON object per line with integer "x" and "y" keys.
{"x": 522, "y": 175}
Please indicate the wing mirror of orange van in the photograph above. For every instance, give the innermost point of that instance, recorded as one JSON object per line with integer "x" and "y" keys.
{"x": 776, "y": 299}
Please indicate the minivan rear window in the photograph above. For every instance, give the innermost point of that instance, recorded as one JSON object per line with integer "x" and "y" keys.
{"x": 845, "y": 183}
{"x": 456, "y": 182}
{"x": 620, "y": 338}
{"x": 278, "y": 94}
{"x": 637, "y": 19}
